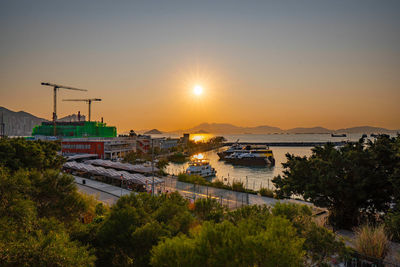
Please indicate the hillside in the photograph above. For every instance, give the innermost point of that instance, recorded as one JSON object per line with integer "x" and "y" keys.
{"x": 19, "y": 123}
{"x": 225, "y": 128}
{"x": 154, "y": 131}
{"x": 366, "y": 130}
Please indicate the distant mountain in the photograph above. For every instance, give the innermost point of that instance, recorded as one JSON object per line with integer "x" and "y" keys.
{"x": 366, "y": 130}
{"x": 72, "y": 118}
{"x": 154, "y": 131}
{"x": 19, "y": 123}
{"x": 201, "y": 132}
{"x": 225, "y": 128}
{"x": 301, "y": 130}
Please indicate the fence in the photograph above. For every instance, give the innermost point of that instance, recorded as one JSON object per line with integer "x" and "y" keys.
{"x": 358, "y": 260}
{"x": 228, "y": 198}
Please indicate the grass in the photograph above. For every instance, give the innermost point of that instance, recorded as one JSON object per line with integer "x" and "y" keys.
{"x": 372, "y": 241}
{"x": 236, "y": 186}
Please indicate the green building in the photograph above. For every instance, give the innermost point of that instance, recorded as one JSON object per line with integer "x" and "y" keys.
{"x": 75, "y": 129}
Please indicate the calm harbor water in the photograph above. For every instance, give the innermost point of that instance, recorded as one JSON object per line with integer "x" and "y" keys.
{"x": 258, "y": 176}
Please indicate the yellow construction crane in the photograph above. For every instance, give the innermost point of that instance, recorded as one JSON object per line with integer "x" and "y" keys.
{"x": 55, "y": 88}
{"x": 89, "y": 101}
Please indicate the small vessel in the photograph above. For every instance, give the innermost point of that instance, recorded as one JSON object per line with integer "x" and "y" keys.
{"x": 364, "y": 136}
{"x": 241, "y": 149}
{"x": 338, "y": 135}
{"x": 200, "y": 167}
{"x": 252, "y": 158}
{"x": 236, "y": 146}
{"x": 374, "y": 135}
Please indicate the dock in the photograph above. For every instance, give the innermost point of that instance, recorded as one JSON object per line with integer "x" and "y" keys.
{"x": 286, "y": 144}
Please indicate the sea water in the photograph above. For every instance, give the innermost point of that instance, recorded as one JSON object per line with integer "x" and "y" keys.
{"x": 257, "y": 177}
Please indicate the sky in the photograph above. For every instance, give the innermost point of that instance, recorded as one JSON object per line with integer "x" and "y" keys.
{"x": 287, "y": 64}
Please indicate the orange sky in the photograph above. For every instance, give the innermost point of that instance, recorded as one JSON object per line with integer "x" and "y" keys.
{"x": 281, "y": 65}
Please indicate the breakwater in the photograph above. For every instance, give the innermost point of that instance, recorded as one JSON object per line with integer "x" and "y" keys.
{"x": 287, "y": 144}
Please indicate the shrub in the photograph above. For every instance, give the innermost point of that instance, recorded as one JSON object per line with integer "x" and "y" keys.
{"x": 372, "y": 241}
{"x": 392, "y": 225}
{"x": 178, "y": 157}
{"x": 238, "y": 186}
{"x": 218, "y": 184}
{"x": 208, "y": 209}
{"x": 266, "y": 192}
{"x": 193, "y": 179}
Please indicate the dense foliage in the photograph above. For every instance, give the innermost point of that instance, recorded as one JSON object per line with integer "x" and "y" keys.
{"x": 16, "y": 153}
{"x": 357, "y": 182}
{"x": 36, "y": 211}
{"x": 44, "y": 221}
{"x": 252, "y": 236}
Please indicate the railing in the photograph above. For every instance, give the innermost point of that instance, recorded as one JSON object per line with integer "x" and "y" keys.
{"x": 228, "y": 198}
{"x": 358, "y": 260}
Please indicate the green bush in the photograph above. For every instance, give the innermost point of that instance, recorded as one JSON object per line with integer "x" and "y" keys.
{"x": 226, "y": 244}
{"x": 392, "y": 225}
{"x": 208, "y": 209}
{"x": 178, "y": 157}
{"x": 238, "y": 186}
{"x": 266, "y": 192}
{"x": 193, "y": 179}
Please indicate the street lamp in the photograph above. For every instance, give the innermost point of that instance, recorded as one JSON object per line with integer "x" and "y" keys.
{"x": 152, "y": 166}
{"x": 122, "y": 179}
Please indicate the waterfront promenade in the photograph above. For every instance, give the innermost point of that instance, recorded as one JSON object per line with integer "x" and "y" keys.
{"x": 109, "y": 194}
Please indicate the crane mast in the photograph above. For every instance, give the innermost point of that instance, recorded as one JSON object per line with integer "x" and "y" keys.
{"x": 89, "y": 101}
{"x": 55, "y": 88}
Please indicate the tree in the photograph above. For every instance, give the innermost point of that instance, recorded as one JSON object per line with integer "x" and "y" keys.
{"x": 27, "y": 239}
{"x": 16, "y": 153}
{"x": 136, "y": 224}
{"x": 345, "y": 180}
{"x": 47, "y": 244}
{"x": 222, "y": 243}
{"x": 208, "y": 209}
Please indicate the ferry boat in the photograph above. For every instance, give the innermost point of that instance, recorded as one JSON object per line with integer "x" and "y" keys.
{"x": 201, "y": 167}
{"x": 240, "y": 149}
{"x": 256, "y": 157}
{"x": 236, "y": 146}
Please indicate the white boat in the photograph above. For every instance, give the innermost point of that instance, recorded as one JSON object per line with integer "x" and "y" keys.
{"x": 252, "y": 158}
{"x": 200, "y": 167}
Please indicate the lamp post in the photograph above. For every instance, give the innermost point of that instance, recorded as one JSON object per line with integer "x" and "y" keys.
{"x": 152, "y": 166}
{"x": 247, "y": 192}
{"x": 122, "y": 179}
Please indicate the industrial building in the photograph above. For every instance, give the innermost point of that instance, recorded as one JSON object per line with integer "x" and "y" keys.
{"x": 105, "y": 148}
{"x": 145, "y": 143}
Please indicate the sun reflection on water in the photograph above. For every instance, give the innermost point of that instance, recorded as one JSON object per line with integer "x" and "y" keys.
{"x": 200, "y": 137}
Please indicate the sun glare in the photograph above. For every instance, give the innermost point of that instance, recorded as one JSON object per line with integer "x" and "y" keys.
{"x": 198, "y": 90}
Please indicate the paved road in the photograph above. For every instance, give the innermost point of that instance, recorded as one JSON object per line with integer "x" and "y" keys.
{"x": 101, "y": 196}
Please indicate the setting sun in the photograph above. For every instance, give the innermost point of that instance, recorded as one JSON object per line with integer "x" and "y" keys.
{"x": 197, "y": 90}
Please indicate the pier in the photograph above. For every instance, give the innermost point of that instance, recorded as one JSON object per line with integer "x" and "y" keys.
{"x": 293, "y": 144}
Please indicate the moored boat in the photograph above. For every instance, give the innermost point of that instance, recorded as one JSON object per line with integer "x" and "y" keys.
{"x": 252, "y": 158}
{"x": 200, "y": 167}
